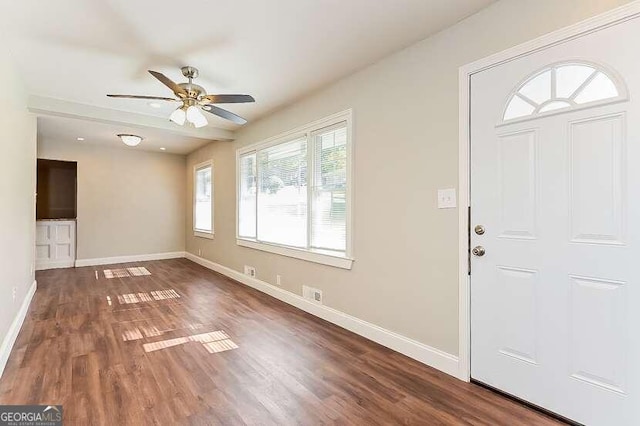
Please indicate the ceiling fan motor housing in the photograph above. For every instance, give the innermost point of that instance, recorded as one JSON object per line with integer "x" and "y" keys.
{"x": 193, "y": 90}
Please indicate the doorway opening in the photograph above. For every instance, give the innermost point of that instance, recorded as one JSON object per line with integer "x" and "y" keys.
{"x": 56, "y": 214}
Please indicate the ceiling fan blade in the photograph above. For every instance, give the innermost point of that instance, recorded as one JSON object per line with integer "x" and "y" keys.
{"x": 155, "y": 98}
{"x": 169, "y": 83}
{"x": 224, "y": 114}
{"x": 227, "y": 99}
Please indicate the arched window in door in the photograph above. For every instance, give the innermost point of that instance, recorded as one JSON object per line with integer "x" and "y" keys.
{"x": 561, "y": 87}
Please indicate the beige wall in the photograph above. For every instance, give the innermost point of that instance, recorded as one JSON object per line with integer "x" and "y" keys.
{"x": 129, "y": 202}
{"x": 17, "y": 190}
{"x": 406, "y": 146}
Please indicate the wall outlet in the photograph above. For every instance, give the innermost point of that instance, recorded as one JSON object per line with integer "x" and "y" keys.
{"x": 313, "y": 294}
{"x": 447, "y": 198}
{"x": 15, "y": 290}
{"x": 278, "y": 279}
{"x": 250, "y": 270}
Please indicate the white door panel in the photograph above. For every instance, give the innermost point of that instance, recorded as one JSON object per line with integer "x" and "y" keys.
{"x": 55, "y": 244}
{"x": 517, "y": 177}
{"x": 554, "y": 301}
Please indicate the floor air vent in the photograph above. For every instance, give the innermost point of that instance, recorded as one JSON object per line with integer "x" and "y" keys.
{"x": 313, "y": 294}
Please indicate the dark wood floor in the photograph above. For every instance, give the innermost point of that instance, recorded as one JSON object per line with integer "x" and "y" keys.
{"x": 84, "y": 347}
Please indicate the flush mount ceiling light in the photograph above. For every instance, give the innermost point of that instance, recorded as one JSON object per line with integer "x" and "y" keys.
{"x": 130, "y": 140}
{"x": 80, "y": 139}
{"x": 194, "y": 100}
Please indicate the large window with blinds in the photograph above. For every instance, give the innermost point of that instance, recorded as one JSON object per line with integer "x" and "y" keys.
{"x": 294, "y": 193}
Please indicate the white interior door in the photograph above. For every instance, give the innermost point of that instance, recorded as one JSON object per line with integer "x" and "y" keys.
{"x": 555, "y": 183}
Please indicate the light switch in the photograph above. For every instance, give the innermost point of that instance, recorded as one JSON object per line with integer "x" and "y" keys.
{"x": 447, "y": 198}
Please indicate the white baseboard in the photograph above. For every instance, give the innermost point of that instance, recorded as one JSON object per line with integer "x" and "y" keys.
{"x": 54, "y": 265}
{"x": 14, "y": 330}
{"x": 127, "y": 259}
{"x": 428, "y": 355}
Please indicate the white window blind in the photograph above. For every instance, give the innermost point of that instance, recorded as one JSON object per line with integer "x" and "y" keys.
{"x": 294, "y": 192}
{"x": 282, "y": 194}
{"x": 328, "y": 223}
{"x": 203, "y": 200}
{"x": 247, "y": 196}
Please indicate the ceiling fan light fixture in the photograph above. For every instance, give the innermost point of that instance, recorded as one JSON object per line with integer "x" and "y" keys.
{"x": 130, "y": 140}
{"x": 178, "y": 116}
{"x": 195, "y": 116}
{"x": 202, "y": 123}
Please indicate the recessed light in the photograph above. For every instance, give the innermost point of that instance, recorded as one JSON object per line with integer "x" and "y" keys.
{"x": 163, "y": 149}
{"x": 155, "y": 105}
{"x": 80, "y": 139}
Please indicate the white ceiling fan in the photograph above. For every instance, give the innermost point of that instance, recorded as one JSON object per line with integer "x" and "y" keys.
{"x": 194, "y": 100}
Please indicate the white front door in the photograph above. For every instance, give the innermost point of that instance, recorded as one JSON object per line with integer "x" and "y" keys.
{"x": 555, "y": 184}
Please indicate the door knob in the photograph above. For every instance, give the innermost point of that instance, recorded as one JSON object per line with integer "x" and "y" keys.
{"x": 478, "y": 251}
{"x": 479, "y": 229}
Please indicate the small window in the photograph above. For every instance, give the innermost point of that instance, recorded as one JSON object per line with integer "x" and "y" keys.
{"x": 203, "y": 200}
{"x": 563, "y": 87}
{"x": 293, "y": 193}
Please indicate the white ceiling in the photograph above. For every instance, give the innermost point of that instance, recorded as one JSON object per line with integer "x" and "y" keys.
{"x": 277, "y": 51}
{"x": 60, "y": 129}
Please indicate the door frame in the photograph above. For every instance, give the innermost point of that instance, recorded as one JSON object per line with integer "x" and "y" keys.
{"x": 580, "y": 29}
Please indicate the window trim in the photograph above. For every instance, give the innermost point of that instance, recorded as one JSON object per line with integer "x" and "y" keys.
{"x": 201, "y": 232}
{"x": 325, "y": 257}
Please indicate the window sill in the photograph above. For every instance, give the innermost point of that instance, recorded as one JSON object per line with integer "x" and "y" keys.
{"x": 201, "y": 234}
{"x": 310, "y": 256}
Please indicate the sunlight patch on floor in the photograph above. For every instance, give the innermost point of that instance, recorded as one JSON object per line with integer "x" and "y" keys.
{"x": 137, "y": 271}
{"x": 213, "y": 342}
{"x": 134, "y": 334}
{"x": 133, "y": 298}
{"x": 220, "y": 346}
{"x": 165, "y": 294}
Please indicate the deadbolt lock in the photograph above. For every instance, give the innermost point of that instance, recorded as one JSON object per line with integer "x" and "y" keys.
{"x": 479, "y": 229}
{"x": 478, "y": 251}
